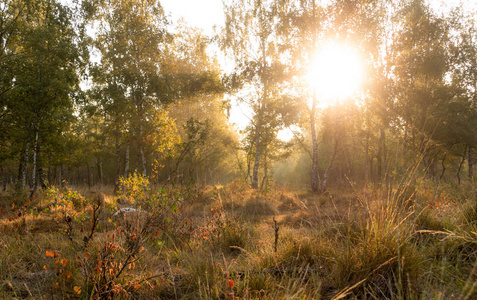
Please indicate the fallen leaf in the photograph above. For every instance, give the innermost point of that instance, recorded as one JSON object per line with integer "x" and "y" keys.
{"x": 77, "y": 290}
{"x": 63, "y": 262}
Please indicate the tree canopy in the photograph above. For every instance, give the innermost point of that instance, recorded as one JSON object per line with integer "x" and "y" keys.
{"x": 92, "y": 91}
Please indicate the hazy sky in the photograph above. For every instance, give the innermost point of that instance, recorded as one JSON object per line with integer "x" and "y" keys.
{"x": 207, "y": 13}
{"x": 200, "y": 13}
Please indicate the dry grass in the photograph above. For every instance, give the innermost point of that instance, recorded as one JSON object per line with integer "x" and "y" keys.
{"x": 218, "y": 243}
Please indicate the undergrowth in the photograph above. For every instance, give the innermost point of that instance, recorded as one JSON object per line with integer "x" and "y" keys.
{"x": 222, "y": 242}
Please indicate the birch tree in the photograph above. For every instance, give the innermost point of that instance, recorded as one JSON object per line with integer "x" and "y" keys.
{"x": 250, "y": 36}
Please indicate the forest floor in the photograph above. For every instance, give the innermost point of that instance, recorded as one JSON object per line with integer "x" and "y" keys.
{"x": 231, "y": 242}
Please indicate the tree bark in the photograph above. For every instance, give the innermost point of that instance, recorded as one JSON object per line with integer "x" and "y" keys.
{"x": 366, "y": 160}
{"x": 381, "y": 154}
{"x": 33, "y": 172}
{"x": 126, "y": 161}
{"x": 325, "y": 174}
{"x": 443, "y": 164}
{"x": 470, "y": 162}
{"x": 99, "y": 164}
{"x": 315, "y": 176}
{"x": 141, "y": 147}
{"x": 460, "y": 166}
{"x": 265, "y": 170}
{"x": 60, "y": 177}
{"x": 23, "y": 167}
{"x": 41, "y": 174}
{"x": 256, "y": 164}
{"x": 118, "y": 160}
{"x": 88, "y": 176}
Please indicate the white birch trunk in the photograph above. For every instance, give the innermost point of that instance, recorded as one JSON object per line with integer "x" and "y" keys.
{"x": 33, "y": 172}
{"x": 25, "y": 164}
{"x": 126, "y": 161}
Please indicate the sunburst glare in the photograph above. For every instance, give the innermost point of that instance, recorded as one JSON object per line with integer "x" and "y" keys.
{"x": 336, "y": 73}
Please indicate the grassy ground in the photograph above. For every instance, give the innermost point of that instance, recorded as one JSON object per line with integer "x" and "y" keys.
{"x": 230, "y": 242}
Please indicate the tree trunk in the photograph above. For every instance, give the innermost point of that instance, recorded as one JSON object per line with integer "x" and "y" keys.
{"x": 256, "y": 164}
{"x": 118, "y": 161}
{"x": 24, "y": 165}
{"x": 470, "y": 162}
{"x": 379, "y": 163}
{"x": 385, "y": 156}
{"x": 126, "y": 161}
{"x": 99, "y": 164}
{"x": 41, "y": 174}
{"x": 33, "y": 172}
{"x": 88, "y": 176}
{"x": 265, "y": 170}
{"x": 141, "y": 147}
{"x": 443, "y": 164}
{"x": 60, "y": 177}
{"x": 4, "y": 179}
{"x": 366, "y": 160}
{"x": 315, "y": 176}
{"x": 381, "y": 154}
{"x": 325, "y": 174}
{"x": 460, "y": 166}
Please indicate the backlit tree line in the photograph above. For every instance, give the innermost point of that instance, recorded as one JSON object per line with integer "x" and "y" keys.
{"x": 94, "y": 90}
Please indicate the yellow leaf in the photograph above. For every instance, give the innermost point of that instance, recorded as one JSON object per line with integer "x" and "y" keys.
{"x": 77, "y": 290}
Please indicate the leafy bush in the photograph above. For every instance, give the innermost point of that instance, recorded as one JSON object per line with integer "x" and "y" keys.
{"x": 134, "y": 188}
{"x": 55, "y": 197}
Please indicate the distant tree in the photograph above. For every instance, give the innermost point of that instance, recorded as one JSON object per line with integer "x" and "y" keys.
{"x": 205, "y": 153}
{"x": 421, "y": 63}
{"x": 132, "y": 39}
{"x": 460, "y": 116}
{"x": 251, "y": 37}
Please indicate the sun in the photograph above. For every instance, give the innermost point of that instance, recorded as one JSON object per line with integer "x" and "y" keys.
{"x": 336, "y": 73}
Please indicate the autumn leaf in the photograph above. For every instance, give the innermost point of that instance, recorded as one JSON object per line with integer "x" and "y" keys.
{"x": 63, "y": 262}
{"x": 231, "y": 284}
{"x": 77, "y": 290}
